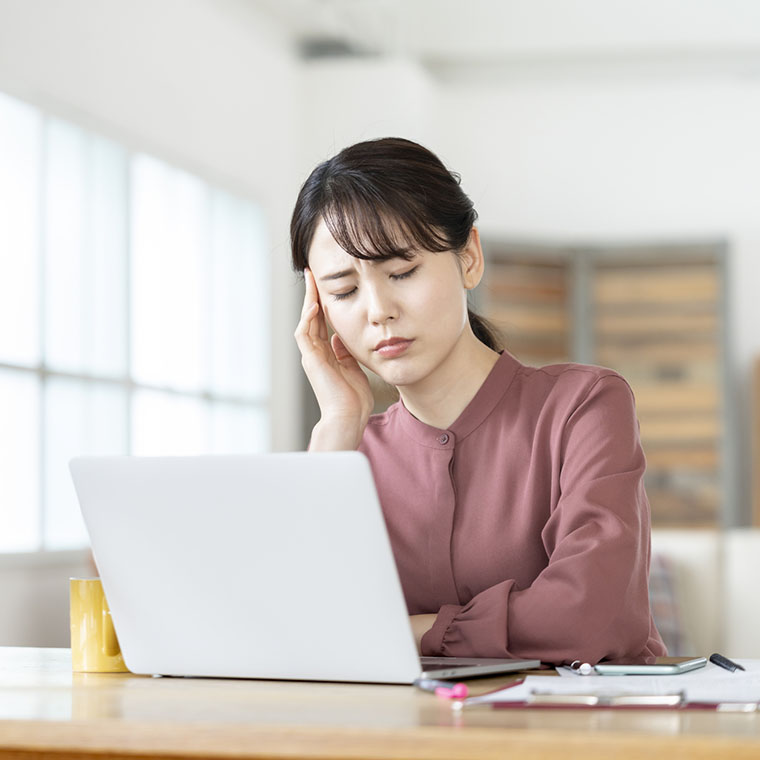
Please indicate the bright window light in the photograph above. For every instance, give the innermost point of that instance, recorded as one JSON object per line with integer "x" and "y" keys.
{"x": 170, "y": 276}
{"x": 20, "y": 135}
{"x": 240, "y": 300}
{"x": 170, "y": 424}
{"x": 80, "y": 419}
{"x": 134, "y": 317}
{"x": 85, "y": 252}
{"x": 19, "y": 454}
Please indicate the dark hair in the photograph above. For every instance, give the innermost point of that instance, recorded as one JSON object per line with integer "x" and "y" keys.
{"x": 384, "y": 199}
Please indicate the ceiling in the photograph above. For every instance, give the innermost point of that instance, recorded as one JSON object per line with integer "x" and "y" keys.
{"x": 470, "y": 37}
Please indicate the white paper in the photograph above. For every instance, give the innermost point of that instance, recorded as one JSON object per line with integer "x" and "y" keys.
{"x": 710, "y": 684}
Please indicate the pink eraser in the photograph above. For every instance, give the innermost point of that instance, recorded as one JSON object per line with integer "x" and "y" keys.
{"x": 457, "y": 691}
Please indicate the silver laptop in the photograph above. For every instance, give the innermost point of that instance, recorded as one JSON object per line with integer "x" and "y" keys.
{"x": 258, "y": 566}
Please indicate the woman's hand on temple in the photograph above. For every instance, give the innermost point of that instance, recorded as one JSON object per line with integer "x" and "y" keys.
{"x": 341, "y": 387}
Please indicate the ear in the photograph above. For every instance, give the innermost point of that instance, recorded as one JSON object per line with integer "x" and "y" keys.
{"x": 471, "y": 261}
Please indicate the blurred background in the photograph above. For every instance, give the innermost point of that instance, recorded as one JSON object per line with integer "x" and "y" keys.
{"x": 150, "y": 155}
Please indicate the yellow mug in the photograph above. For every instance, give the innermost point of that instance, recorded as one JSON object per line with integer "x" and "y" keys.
{"x": 94, "y": 646}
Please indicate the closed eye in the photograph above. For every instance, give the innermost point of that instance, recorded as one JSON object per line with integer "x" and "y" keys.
{"x": 400, "y": 276}
{"x": 342, "y": 296}
{"x": 406, "y": 274}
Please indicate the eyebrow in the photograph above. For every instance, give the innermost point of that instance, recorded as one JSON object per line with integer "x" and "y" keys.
{"x": 337, "y": 275}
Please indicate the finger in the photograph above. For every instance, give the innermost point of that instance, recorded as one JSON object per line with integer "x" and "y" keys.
{"x": 348, "y": 362}
{"x": 339, "y": 348}
{"x": 323, "y": 333}
{"x": 304, "y": 326}
{"x": 308, "y": 277}
{"x": 309, "y": 296}
{"x": 310, "y": 316}
{"x": 317, "y": 327}
{"x": 311, "y": 285}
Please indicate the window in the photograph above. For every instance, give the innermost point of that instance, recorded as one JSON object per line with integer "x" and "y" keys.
{"x": 134, "y": 317}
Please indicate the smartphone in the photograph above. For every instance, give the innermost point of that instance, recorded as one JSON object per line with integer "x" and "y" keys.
{"x": 669, "y": 669}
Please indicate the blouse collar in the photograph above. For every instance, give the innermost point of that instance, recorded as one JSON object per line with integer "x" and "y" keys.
{"x": 474, "y": 414}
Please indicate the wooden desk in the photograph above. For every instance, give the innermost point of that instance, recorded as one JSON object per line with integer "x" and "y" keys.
{"x": 46, "y": 711}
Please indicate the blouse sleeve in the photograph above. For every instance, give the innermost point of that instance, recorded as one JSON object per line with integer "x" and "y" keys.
{"x": 591, "y": 601}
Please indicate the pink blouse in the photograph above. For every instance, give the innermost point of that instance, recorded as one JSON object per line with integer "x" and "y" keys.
{"x": 524, "y": 526}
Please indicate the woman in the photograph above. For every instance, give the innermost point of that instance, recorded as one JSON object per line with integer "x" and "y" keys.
{"x": 513, "y": 495}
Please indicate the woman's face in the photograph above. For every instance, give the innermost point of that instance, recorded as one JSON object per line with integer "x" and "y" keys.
{"x": 401, "y": 319}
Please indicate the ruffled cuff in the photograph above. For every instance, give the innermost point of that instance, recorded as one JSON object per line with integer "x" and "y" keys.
{"x": 432, "y": 642}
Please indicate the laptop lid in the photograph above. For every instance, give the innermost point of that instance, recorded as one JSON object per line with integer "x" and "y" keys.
{"x": 251, "y": 566}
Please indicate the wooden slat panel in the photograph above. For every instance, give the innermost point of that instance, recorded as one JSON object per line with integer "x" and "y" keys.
{"x": 611, "y": 354}
{"x": 661, "y": 457}
{"x": 665, "y": 338}
{"x": 530, "y": 284}
{"x": 682, "y": 284}
{"x": 673, "y": 509}
{"x": 551, "y": 352}
{"x": 526, "y": 300}
{"x": 611, "y": 324}
{"x": 657, "y": 319}
{"x": 670, "y": 398}
{"x": 642, "y": 375}
{"x": 533, "y": 274}
{"x": 530, "y": 319}
{"x": 687, "y": 431}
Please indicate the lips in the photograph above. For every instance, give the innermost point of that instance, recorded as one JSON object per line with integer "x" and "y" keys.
{"x": 393, "y": 347}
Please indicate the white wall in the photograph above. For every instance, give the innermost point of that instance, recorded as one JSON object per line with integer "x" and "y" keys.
{"x": 346, "y": 101}
{"x": 35, "y": 597}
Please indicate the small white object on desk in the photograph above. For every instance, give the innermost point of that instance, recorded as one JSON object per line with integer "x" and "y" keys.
{"x": 710, "y": 685}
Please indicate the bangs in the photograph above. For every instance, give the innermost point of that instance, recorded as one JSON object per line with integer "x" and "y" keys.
{"x": 367, "y": 226}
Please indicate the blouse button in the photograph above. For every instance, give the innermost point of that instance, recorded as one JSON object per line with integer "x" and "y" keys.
{"x": 443, "y": 439}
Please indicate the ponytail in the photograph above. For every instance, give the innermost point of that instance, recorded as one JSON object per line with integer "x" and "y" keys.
{"x": 484, "y": 331}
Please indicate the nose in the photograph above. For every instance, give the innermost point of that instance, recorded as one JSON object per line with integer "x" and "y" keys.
{"x": 381, "y": 306}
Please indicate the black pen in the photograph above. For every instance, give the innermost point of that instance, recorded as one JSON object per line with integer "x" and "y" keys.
{"x": 724, "y": 662}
